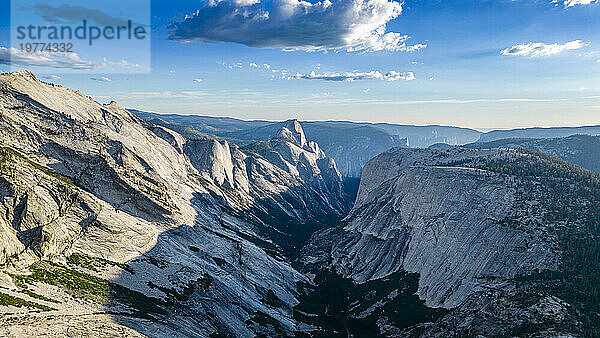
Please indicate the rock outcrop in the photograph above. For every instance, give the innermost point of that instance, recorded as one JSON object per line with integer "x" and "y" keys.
{"x": 288, "y": 184}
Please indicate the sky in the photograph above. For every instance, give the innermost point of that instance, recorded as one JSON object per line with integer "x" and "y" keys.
{"x": 481, "y": 64}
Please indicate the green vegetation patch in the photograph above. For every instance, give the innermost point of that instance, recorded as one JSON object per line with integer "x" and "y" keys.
{"x": 82, "y": 285}
{"x": 338, "y": 306}
{"x": 36, "y": 296}
{"x": 569, "y": 201}
{"x": 7, "y": 154}
{"x": 533, "y": 163}
{"x": 8, "y": 300}
{"x": 93, "y": 263}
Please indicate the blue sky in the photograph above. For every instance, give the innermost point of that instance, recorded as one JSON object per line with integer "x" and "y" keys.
{"x": 486, "y": 64}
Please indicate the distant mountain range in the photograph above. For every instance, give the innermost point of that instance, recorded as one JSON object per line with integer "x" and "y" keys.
{"x": 539, "y": 133}
{"x": 351, "y": 144}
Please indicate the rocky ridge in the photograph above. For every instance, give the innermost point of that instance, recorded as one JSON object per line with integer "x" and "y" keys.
{"x": 162, "y": 233}
{"x": 472, "y": 224}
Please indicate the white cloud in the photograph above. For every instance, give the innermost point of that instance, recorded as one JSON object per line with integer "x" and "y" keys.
{"x": 193, "y": 94}
{"x": 267, "y": 66}
{"x": 254, "y": 65}
{"x": 465, "y": 101}
{"x": 52, "y": 77}
{"x": 102, "y": 79}
{"x": 162, "y": 95}
{"x": 106, "y": 64}
{"x": 236, "y": 66}
{"x": 351, "y": 76}
{"x": 197, "y": 80}
{"x": 242, "y": 3}
{"x": 74, "y": 14}
{"x": 366, "y": 91}
{"x": 353, "y": 101}
{"x": 536, "y": 49}
{"x": 351, "y": 25}
{"x": 321, "y": 95}
{"x": 571, "y": 3}
{"x": 15, "y": 57}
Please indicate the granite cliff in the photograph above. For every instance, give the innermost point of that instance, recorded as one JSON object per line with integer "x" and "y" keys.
{"x": 488, "y": 233}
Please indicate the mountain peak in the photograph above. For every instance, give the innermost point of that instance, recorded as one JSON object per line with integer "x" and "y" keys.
{"x": 22, "y": 73}
{"x": 292, "y": 131}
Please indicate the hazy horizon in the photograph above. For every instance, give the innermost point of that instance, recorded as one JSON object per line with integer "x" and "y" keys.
{"x": 482, "y": 130}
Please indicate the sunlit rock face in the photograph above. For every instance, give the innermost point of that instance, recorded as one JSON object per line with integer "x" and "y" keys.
{"x": 439, "y": 221}
{"x": 292, "y": 131}
{"x": 176, "y": 230}
{"x": 471, "y": 223}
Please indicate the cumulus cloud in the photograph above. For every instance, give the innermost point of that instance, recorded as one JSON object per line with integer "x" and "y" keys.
{"x": 254, "y": 65}
{"x": 351, "y": 25}
{"x": 352, "y": 76}
{"x": 198, "y": 80}
{"x": 102, "y": 79}
{"x": 15, "y": 57}
{"x": 535, "y": 49}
